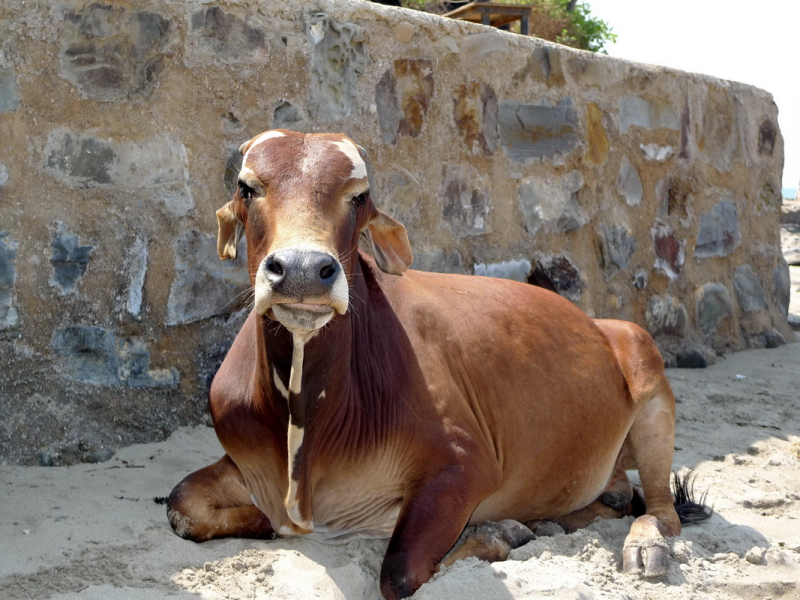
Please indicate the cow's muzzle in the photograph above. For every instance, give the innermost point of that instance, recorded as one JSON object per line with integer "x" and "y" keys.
{"x": 301, "y": 287}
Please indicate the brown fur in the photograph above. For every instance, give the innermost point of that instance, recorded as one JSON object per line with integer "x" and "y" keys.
{"x": 448, "y": 400}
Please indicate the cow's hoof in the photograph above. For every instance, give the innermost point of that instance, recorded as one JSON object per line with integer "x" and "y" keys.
{"x": 645, "y": 551}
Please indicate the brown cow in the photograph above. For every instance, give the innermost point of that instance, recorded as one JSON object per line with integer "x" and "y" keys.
{"x": 356, "y": 402}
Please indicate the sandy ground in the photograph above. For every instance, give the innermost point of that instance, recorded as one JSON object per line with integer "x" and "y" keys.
{"x": 92, "y": 532}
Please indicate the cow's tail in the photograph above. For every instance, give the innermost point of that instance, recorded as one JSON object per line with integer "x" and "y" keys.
{"x": 690, "y": 509}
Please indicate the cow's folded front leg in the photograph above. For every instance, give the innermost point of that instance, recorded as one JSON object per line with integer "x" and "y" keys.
{"x": 432, "y": 518}
{"x": 491, "y": 542}
{"x": 214, "y": 502}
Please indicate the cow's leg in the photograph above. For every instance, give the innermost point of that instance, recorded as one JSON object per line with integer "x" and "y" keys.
{"x": 214, "y": 502}
{"x": 651, "y": 440}
{"x": 491, "y": 542}
{"x": 430, "y": 522}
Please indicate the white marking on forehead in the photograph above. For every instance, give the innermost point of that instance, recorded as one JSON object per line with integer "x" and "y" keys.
{"x": 322, "y": 394}
{"x": 262, "y": 137}
{"x": 359, "y": 166}
{"x": 279, "y": 384}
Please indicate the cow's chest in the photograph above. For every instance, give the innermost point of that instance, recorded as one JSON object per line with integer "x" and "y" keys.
{"x": 357, "y": 497}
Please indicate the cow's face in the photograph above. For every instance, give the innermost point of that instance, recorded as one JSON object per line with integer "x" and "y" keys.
{"x": 303, "y": 201}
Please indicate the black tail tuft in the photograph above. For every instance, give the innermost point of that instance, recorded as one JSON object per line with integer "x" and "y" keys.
{"x": 689, "y": 511}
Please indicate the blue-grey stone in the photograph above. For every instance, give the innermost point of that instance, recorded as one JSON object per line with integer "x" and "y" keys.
{"x": 748, "y": 290}
{"x": 111, "y": 53}
{"x": 629, "y": 184}
{"x": 69, "y": 259}
{"x": 782, "y": 286}
{"x": 665, "y": 315}
{"x": 338, "y": 58}
{"x": 287, "y": 116}
{"x": 552, "y": 202}
{"x": 204, "y": 285}
{"x": 718, "y": 234}
{"x": 517, "y": 270}
{"x": 648, "y": 114}
{"x": 90, "y": 353}
{"x": 464, "y": 206}
{"x": 691, "y": 358}
{"x": 227, "y": 36}
{"x": 8, "y": 276}
{"x": 640, "y": 280}
{"x": 438, "y": 261}
{"x": 83, "y": 159}
{"x": 136, "y": 268}
{"x": 617, "y": 245}
{"x": 537, "y": 130}
{"x": 3, "y": 175}
{"x": 9, "y": 90}
{"x": 773, "y": 338}
{"x": 714, "y": 304}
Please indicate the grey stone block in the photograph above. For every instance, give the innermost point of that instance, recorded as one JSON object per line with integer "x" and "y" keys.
{"x": 133, "y": 369}
{"x": 718, "y": 234}
{"x": 287, "y": 116}
{"x": 517, "y": 270}
{"x": 8, "y": 276}
{"x": 665, "y": 315}
{"x": 552, "y": 202}
{"x": 112, "y": 53}
{"x": 537, "y": 130}
{"x": 9, "y": 90}
{"x": 782, "y": 286}
{"x": 748, "y": 290}
{"x": 69, "y": 259}
{"x": 629, "y": 184}
{"x": 136, "y": 268}
{"x": 617, "y": 246}
{"x": 227, "y": 36}
{"x": 338, "y": 58}
{"x": 714, "y": 304}
{"x": 90, "y": 353}
{"x": 3, "y": 175}
{"x": 475, "y": 113}
{"x": 648, "y": 114}
{"x": 465, "y": 207}
{"x": 773, "y": 338}
{"x": 83, "y": 160}
{"x": 204, "y": 285}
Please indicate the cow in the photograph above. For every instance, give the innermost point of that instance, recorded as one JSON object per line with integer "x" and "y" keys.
{"x": 363, "y": 398}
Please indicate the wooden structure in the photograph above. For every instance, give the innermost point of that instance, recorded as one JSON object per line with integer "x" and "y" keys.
{"x": 496, "y": 15}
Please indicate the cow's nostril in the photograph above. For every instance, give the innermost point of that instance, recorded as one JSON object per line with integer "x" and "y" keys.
{"x": 327, "y": 271}
{"x": 274, "y": 267}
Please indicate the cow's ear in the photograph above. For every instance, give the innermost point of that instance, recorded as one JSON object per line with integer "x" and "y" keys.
{"x": 390, "y": 244}
{"x": 230, "y": 231}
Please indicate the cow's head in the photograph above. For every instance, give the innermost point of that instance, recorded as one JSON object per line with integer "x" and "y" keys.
{"x": 303, "y": 201}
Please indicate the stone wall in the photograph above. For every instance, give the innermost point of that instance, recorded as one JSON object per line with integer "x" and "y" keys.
{"x": 637, "y": 192}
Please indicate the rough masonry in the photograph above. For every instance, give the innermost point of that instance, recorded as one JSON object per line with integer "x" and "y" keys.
{"x": 636, "y": 192}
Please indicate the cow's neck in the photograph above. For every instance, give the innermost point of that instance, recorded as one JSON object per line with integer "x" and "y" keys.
{"x": 308, "y": 375}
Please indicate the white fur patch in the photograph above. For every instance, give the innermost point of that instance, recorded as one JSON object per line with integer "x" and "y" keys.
{"x": 262, "y": 137}
{"x": 279, "y": 384}
{"x": 359, "y": 166}
{"x": 296, "y": 375}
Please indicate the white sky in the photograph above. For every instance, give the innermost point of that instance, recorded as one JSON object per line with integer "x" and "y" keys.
{"x": 752, "y": 42}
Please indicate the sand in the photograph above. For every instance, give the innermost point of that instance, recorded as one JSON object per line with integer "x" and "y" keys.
{"x": 93, "y": 531}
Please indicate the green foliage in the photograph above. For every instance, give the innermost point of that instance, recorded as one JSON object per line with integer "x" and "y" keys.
{"x": 585, "y": 31}
{"x": 551, "y": 21}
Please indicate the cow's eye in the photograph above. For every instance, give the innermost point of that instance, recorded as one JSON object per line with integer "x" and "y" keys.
{"x": 360, "y": 199}
{"x": 246, "y": 193}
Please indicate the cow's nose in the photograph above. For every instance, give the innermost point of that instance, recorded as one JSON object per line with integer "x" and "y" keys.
{"x": 301, "y": 274}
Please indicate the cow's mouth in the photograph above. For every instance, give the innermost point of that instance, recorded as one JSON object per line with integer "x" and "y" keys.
{"x": 301, "y": 315}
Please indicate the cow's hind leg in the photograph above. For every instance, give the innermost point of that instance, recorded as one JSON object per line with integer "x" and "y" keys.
{"x": 214, "y": 502}
{"x": 650, "y": 443}
{"x": 491, "y": 542}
